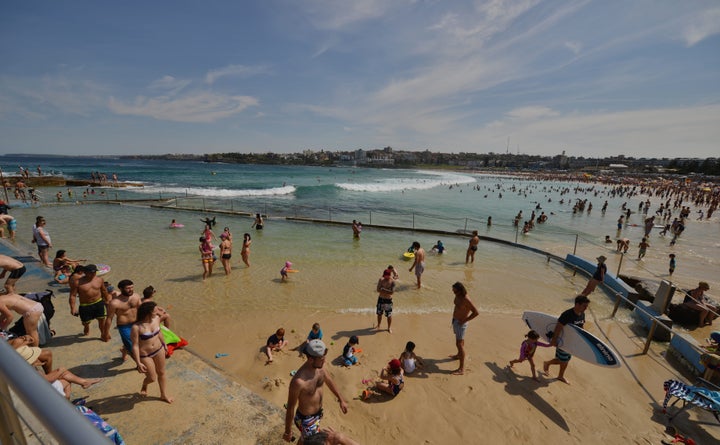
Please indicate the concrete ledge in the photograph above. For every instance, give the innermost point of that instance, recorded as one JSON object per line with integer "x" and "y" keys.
{"x": 687, "y": 350}
{"x": 660, "y": 333}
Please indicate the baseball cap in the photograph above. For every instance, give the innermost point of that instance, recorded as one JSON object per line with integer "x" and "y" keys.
{"x": 315, "y": 348}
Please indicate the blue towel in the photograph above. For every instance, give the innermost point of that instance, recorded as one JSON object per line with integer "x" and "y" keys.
{"x": 698, "y": 396}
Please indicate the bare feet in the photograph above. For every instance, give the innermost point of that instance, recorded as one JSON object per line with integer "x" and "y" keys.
{"x": 390, "y": 330}
{"x": 124, "y": 354}
{"x": 546, "y": 367}
{"x": 454, "y": 357}
{"x": 458, "y": 372}
{"x": 536, "y": 379}
{"x": 143, "y": 391}
{"x": 510, "y": 365}
{"x": 564, "y": 380}
{"x": 86, "y": 329}
{"x": 268, "y": 362}
{"x": 90, "y": 382}
{"x": 167, "y": 399}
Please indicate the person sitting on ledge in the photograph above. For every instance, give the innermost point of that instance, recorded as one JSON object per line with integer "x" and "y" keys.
{"x": 706, "y": 308}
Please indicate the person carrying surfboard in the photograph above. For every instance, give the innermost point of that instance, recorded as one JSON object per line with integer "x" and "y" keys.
{"x": 575, "y": 315}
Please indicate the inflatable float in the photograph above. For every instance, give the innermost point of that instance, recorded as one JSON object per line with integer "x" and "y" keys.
{"x": 176, "y": 225}
{"x": 408, "y": 255}
{"x": 102, "y": 269}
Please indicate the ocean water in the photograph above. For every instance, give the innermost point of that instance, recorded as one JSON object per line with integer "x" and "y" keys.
{"x": 337, "y": 272}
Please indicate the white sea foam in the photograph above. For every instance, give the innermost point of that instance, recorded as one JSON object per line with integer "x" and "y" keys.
{"x": 218, "y": 192}
{"x": 421, "y": 183}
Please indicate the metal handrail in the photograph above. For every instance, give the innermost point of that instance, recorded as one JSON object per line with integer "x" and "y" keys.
{"x": 57, "y": 415}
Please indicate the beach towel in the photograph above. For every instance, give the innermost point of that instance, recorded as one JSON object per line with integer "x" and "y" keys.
{"x": 109, "y": 431}
{"x": 172, "y": 340}
{"x": 696, "y": 395}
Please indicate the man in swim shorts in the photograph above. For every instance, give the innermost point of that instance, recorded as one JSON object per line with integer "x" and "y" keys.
{"x": 16, "y": 269}
{"x": 576, "y": 316}
{"x": 93, "y": 296}
{"x": 419, "y": 263}
{"x": 472, "y": 247}
{"x": 463, "y": 312}
{"x": 306, "y": 391}
{"x": 11, "y": 223}
{"x": 125, "y": 306}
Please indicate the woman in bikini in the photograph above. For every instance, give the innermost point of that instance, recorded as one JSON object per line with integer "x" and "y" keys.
{"x": 245, "y": 252}
{"x": 225, "y": 252}
{"x": 148, "y": 347}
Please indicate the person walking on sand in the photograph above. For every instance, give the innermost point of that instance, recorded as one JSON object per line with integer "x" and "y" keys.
{"x": 576, "y": 316}
{"x": 125, "y": 306}
{"x": 385, "y": 288}
{"x": 527, "y": 351}
{"x": 245, "y": 252}
{"x": 419, "y": 263}
{"x": 472, "y": 247}
{"x": 16, "y": 269}
{"x": 306, "y": 391}
{"x": 463, "y": 312}
{"x": 93, "y": 296}
{"x": 225, "y": 252}
{"x": 149, "y": 349}
{"x": 597, "y": 278}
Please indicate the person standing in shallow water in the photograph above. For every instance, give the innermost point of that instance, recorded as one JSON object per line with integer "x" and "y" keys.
{"x": 245, "y": 252}
{"x": 419, "y": 263}
{"x": 258, "y": 224}
{"x": 225, "y": 252}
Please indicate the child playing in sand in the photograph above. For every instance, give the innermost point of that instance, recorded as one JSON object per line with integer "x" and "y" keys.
{"x": 349, "y": 351}
{"x": 393, "y": 382}
{"x": 527, "y": 351}
{"x": 314, "y": 334}
{"x": 275, "y": 343}
{"x": 672, "y": 263}
{"x": 409, "y": 360}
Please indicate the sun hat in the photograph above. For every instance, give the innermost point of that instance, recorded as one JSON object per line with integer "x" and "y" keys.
{"x": 29, "y": 353}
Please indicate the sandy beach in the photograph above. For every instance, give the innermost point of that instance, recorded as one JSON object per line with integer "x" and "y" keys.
{"x": 490, "y": 404}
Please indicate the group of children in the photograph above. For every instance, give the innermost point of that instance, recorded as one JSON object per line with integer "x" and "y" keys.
{"x": 391, "y": 377}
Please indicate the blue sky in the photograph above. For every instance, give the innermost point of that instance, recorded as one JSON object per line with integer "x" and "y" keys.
{"x": 593, "y": 78}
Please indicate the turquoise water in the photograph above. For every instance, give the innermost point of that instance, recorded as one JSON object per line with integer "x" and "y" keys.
{"x": 137, "y": 243}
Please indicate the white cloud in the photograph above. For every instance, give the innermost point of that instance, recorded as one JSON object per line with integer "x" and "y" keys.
{"x": 241, "y": 71}
{"x": 198, "y": 107}
{"x": 533, "y": 112}
{"x": 169, "y": 83}
{"x": 703, "y": 26}
{"x": 336, "y": 15}
{"x": 575, "y": 47}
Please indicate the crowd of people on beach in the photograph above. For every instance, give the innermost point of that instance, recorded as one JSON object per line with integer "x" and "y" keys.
{"x": 143, "y": 325}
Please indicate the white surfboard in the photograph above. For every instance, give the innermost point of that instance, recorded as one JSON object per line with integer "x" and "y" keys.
{"x": 576, "y": 341}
